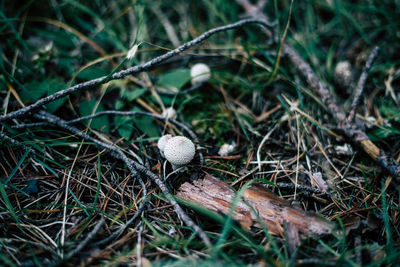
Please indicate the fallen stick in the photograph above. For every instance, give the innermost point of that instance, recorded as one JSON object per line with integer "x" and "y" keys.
{"x": 134, "y": 167}
{"x": 273, "y": 211}
{"x": 130, "y": 71}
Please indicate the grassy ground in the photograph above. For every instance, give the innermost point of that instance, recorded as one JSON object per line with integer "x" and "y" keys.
{"x": 49, "y": 45}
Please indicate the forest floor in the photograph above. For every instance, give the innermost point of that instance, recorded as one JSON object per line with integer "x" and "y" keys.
{"x": 304, "y": 94}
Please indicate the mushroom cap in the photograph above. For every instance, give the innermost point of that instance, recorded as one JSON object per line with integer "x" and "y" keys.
{"x": 225, "y": 150}
{"x": 162, "y": 141}
{"x": 199, "y": 73}
{"x": 179, "y": 150}
{"x": 169, "y": 113}
{"x": 343, "y": 72}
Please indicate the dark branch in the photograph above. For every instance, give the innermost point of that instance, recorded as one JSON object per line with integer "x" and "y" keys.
{"x": 361, "y": 83}
{"x": 192, "y": 135}
{"x": 130, "y": 71}
{"x": 133, "y": 166}
{"x": 353, "y": 132}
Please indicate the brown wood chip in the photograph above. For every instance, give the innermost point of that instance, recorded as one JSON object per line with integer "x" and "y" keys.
{"x": 274, "y": 212}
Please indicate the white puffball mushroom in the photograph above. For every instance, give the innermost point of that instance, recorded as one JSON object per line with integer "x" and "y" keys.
{"x": 162, "y": 142}
{"x": 199, "y": 73}
{"x": 179, "y": 151}
{"x": 343, "y": 73}
{"x": 226, "y": 149}
{"x": 169, "y": 113}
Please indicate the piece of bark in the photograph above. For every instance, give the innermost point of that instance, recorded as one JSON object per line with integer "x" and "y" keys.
{"x": 292, "y": 237}
{"x": 217, "y": 196}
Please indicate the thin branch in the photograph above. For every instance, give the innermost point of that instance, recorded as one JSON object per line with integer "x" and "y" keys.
{"x": 42, "y": 115}
{"x": 12, "y": 141}
{"x": 117, "y": 233}
{"x": 361, "y": 83}
{"x": 130, "y": 71}
{"x": 352, "y": 131}
{"x": 29, "y": 125}
{"x": 88, "y": 238}
{"x": 192, "y": 135}
{"x": 312, "y": 79}
{"x": 116, "y": 152}
{"x": 302, "y": 188}
{"x": 133, "y": 166}
{"x": 133, "y": 113}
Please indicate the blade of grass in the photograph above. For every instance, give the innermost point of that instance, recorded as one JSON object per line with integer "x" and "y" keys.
{"x": 96, "y": 197}
{"x": 386, "y": 220}
{"x": 6, "y": 261}
{"x": 79, "y": 203}
{"x": 46, "y": 167}
{"x": 281, "y": 43}
{"x": 8, "y": 204}
{"x": 229, "y": 220}
{"x": 237, "y": 230}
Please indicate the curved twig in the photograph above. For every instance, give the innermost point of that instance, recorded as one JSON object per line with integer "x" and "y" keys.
{"x": 132, "y": 70}
{"x": 192, "y": 135}
{"x": 89, "y": 237}
{"x": 352, "y": 131}
{"x": 133, "y": 166}
{"x": 117, "y": 233}
{"x": 361, "y": 83}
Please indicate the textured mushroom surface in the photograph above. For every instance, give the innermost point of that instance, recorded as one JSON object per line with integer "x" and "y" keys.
{"x": 199, "y": 73}
{"x": 179, "y": 150}
{"x": 169, "y": 113}
{"x": 162, "y": 142}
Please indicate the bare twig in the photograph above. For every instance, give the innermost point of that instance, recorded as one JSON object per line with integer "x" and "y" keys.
{"x": 134, "y": 168}
{"x": 361, "y": 83}
{"x": 192, "y": 135}
{"x": 327, "y": 98}
{"x": 114, "y": 112}
{"x": 134, "y": 113}
{"x": 42, "y": 115}
{"x": 89, "y": 237}
{"x": 353, "y": 132}
{"x": 12, "y": 141}
{"x": 306, "y": 190}
{"x": 118, "y": 232}
{"x": 54, "y": 120}
{"x": 133, "y": 70}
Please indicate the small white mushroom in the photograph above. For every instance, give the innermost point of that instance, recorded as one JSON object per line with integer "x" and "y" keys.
{"x": 162, "y": 142}
{"x": 169, "y": 113}
{"x": 179, "y": 151}
{"x": 199, "y": 73}
{"x": 226, "y": 149}
{"x": 343, "y": 73}
{"x": 370, "y": 122}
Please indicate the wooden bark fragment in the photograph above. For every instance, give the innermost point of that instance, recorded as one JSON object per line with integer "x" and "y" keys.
{"x": 274, "y": 212}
